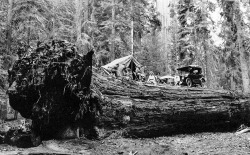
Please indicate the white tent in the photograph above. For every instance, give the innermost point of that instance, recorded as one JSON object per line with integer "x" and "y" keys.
{"x": 128, "y": 61}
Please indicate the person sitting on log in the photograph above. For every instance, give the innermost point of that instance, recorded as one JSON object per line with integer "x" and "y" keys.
{"x": 152, "y": 78}
{"x": 114, "y": 70}
{"x": 143, "y": 75}
{"x": 120, "y": 70}
{"x": 157, "y": 77}
{"x": 137, "y": 74}
{"x": 129, "y": 75}
{"x": 124, "y": 70}
{"x": 177, "y": 80}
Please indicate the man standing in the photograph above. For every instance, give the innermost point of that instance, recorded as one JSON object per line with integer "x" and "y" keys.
{"x": 114, "y": 70}
{"x": 120, "y": 70}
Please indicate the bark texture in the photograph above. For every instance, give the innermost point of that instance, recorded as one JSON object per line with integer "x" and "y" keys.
{"x": 8, "y": 27}
{"x": 148, "y": 111}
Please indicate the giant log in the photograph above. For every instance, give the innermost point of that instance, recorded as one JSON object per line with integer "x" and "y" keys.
{"x": 149, "y": 111}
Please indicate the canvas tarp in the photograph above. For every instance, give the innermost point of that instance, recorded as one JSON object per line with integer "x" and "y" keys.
{"x": 124, "y": 60}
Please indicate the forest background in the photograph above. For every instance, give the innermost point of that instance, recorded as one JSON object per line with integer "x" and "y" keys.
{"x": 211, "y": 33}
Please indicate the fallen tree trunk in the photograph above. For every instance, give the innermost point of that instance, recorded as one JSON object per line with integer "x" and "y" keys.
{"x": 148, "y": 111}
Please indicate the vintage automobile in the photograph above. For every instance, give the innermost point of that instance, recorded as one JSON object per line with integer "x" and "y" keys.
{"x": 191, "y": 76}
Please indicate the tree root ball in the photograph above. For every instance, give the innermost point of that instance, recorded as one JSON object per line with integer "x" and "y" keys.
{"x": 51, "y": 86}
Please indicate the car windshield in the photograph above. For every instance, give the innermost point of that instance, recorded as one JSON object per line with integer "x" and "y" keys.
{"x": 183, "y": 73}
{"x": 195, "y": 71}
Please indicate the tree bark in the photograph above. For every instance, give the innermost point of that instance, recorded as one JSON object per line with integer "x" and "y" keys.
{"x": 132, "y": 27}
{"x": 8, "y": 47}
{"x": 8, "y": 27}
{"x": 28, "y": 32}
{"x": 86, "y": 15}
{"x": 243, "y": 61}
{"x": 113, "y": 30}
{"x": 232, "y": 83}
{"x": 3, "y": 106}
{"x": 92, "y": 15}
{"x": 244, "y": 71}
{"x": 78, "y": 23}
{"x": 208, "y": 66}
{"x": 148, "y": 111}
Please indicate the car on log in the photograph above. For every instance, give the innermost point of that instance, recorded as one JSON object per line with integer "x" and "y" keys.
{"x": 191, "y": 76}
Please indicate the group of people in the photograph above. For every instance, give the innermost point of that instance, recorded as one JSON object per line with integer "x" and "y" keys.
{"x": 121, "y": 71}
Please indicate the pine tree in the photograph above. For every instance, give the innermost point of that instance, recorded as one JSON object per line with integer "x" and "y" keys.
{"x": 235, "y": 49}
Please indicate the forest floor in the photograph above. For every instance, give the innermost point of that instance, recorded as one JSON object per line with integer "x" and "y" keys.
{"x": 226, "y": 143}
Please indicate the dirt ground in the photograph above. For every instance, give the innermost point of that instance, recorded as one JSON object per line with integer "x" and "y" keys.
{"x": 201, "y": 144}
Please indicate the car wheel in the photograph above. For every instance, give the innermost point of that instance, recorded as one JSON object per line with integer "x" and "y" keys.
{"x": 189, "y": 82}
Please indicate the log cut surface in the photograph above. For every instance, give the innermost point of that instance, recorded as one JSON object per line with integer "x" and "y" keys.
{"x": 148, "y": 111}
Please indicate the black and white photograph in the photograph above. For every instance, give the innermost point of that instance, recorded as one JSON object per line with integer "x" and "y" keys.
{"x": 124, "y": 77}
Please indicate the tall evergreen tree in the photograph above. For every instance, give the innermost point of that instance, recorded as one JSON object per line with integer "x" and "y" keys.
{"x": 235, "y": 49}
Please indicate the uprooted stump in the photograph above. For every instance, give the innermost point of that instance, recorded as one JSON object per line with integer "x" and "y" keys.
{"x": 51, "y": 86}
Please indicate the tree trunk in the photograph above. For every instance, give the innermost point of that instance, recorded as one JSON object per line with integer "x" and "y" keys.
{"x": 132, "y": 27}
{"x": 8, "y": 48}
{"x": 3, "y": 105}
{"x": 78, "y": 23}
{"x": 8, "y": 27}
{"x": 232, "y": 83}
{"x": 243, "y": 61}
{"x": 92, "y": 15}
{"x": 113, "y": 31}
{"x": 244, "y": 71}
{"x": 28, "y": 33}
{"x": 86, "y": 15}
{"x": 208, "y": 67}
{"x": 148, "y": 111}
{"x": 52, "y": 35}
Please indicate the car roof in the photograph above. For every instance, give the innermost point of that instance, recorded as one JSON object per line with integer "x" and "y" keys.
{"x": 187, "y": 67}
